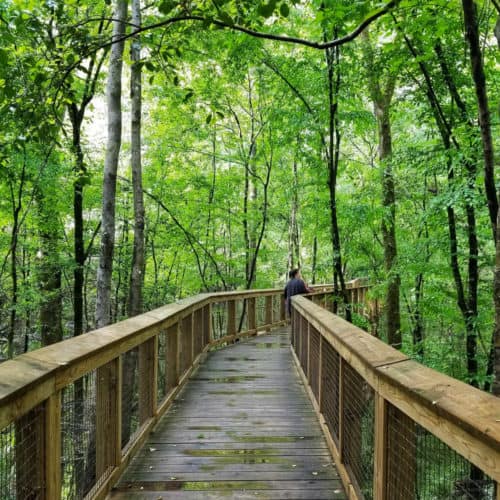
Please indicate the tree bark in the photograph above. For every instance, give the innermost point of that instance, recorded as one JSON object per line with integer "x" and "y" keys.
{"x": 137, "y": 273}
{"x": 477, "y": 69}
{"x": 333, "y": 155}
{"x": 104, "y": 272}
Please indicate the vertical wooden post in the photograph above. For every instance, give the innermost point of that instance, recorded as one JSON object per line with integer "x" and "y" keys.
{"x": 52, "y": 447}
{"x": 108, "y": 415}
{"x": 207, "y": 324}
{"x": 252, "y": 320}
{"x": 282, "y": 308}
{"x": 341, "y": 409}
{"x": 186, "y": 343}
{"x": 320, "y": 370}
{"x": 148, "y": 370}
{"x": 231, "y": 317}
{"x": 308, "y": 353}
{"x": 269, "y": 311}
{"x": 172, "y": 354}
{"x": 380, "y": 453}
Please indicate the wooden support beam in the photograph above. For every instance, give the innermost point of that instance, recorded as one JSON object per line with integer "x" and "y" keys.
{"x": 308, "y": 351}
{"x": 207, "y": 325}
{"x": 341, "y": 409}
{"x": 108, "y": 415}
{"x": 231, "y": 317}
{"x": 172, "y": 355}
{"x": 52, "y": 447}
{"x": 252, "y": 319}
{"x": 148, "y": 380}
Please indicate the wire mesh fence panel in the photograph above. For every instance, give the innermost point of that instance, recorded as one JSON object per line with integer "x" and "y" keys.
{"x": 276, "y": 307}
{"x": 314, "y": 360}
{"x": 162, "y": 365}
{"x": 241, "y": 316}
{"x": 358, "y": 432}
{"x": 260, "y": 311}
{"x": 78, "y": 429}
{"x": 420, "y": 465}
{"x": 8, "y": 462}
{"x": 219, "y": 320}
{"x": 330, "y": 388}
{"x": 130, "y": 397}
{"x": 21, "y": 458}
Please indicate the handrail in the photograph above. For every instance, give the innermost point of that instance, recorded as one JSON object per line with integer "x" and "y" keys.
{"x": 375, "y": 402}
{"x": 82, "y": 383}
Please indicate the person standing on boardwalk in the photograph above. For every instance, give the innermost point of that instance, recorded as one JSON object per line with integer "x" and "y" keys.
{"x": 295, "y": 286}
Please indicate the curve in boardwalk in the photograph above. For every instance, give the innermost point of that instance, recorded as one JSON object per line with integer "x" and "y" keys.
{"x": 243, "y": 427}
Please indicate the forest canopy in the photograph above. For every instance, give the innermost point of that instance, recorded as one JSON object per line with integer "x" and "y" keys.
{"x": 152, "y": 150}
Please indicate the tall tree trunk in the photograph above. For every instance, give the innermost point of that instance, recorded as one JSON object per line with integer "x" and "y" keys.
{"x": 382, "y": 113}
{"x": 137, "y": 274}
{"x": 477, "y": 70}
{"x": 79, "y": 244}
{"x": 135, "y": 299}
{"x": 333, "y": 154}
{"x": 294, "y": 233}
{"x": 114, "y": 90}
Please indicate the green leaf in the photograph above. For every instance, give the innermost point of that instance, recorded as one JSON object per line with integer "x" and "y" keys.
{"x": 209, "y": 118}
{"x": 267, "y": 9}
{"x": 226, "y": 18}
{"x": 284, "y": 10}
{"x": 166, "y": 6}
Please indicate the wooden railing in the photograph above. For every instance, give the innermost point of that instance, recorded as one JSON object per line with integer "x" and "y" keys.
{"x": 73, "y": 414}
{"x": 397, "y": 430}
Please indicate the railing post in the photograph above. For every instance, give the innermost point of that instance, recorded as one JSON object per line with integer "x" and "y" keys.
{"x": 380, "y": 452}
{"x": 251, "y": 313}
{"x": 282, "y": 307}
{"x": 207, "y": 324}
{"x": 320, "y": 371}
{"x": 269, "y": 311}
{"x": 108, "y": 415}
{"x": 52, "y": 447}
{"x": 231, "y": 318}
{"x": 308, "y": 353}
{"x": 148, "y": 369}
{"x": 341, "y": 409}
{"x": 172, "y": 355}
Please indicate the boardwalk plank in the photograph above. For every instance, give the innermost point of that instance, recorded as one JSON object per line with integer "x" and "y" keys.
{"x": 243, "y": 427}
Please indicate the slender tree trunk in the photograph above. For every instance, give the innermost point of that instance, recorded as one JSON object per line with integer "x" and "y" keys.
{"x": 294, "y": 233}
{"x": 79, "y": 244}
{"x": 382, "y": 110}
{"x": 333, "y": 68}
{"x": 137, "y": 274}
{"x": 496, "y": 333}
{"x": 477, "y": 69}
{"x": 104, "y": 272}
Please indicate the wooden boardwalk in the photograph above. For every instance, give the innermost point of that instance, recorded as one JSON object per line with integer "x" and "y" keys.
{"x": 243, "y": 427}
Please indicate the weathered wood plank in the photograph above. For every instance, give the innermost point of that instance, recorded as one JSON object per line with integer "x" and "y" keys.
{"x": 238, "y": 426}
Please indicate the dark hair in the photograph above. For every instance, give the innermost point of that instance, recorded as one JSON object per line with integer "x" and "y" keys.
{"x": 293, "y": 273}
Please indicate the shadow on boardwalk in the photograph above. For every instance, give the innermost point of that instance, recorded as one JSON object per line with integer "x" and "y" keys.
{"x": 243, "y": 427}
